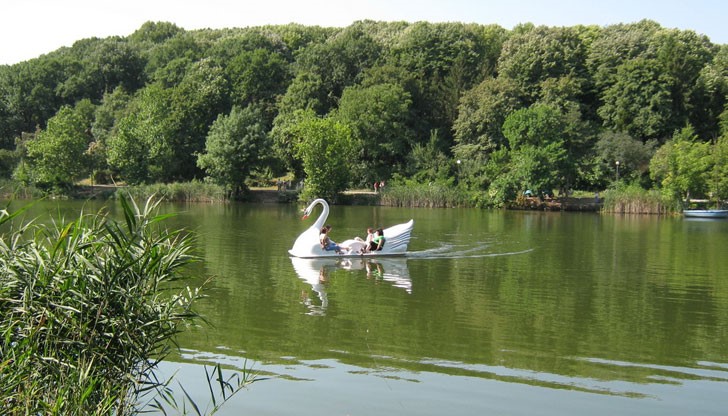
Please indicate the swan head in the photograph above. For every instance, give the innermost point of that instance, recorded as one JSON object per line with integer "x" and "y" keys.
{"x": 307, "y": 211}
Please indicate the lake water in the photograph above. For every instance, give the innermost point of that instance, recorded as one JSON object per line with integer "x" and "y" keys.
{"x": 490, "y": 313}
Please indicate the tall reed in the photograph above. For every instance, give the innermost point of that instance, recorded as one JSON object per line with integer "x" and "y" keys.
{"x": 633, "y": 199}
{"x": 84, "y": 313}
{"x": 433, "y": 195}
{"x": 194, "y": 191}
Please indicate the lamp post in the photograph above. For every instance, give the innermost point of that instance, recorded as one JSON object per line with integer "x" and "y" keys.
{"x": 617, "y": 163}
{"x": 458, "y": 163}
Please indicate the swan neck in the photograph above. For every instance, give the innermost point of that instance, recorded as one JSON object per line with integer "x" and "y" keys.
{"x": 324, "y": 213}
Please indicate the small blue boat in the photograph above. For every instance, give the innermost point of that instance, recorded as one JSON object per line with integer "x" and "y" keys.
{"x": 705, "y": 213}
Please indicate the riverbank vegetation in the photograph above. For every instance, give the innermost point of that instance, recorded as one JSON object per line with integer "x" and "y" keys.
{"x": 483, "y": 113}
{"x": 88, "y": 308}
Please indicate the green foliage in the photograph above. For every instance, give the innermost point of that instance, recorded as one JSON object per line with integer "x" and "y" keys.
{"x": 482, "y": 111}
{"x": 718, "y": 175}
{"x": 427, "y": 163}
{"x": 633, "y": 155}
{"x": 82, "y": 314}
{"x": 379, "y": 117}
{"x": 201, "y": 96}
{"x": 682, "y": 166}
{"x": 633, "y": 199}
{"x": 193, "y": 191}
{"x": 534, "y": 126}
{"x": 325, "y": 146}
{"x": 640, "y": 101}
{"x": 161, "y": 89}
{"x": 58, "y": 155}
{"x": 235, "y": 145}
{"x": 142, "y": 151}
{"x": 537, "y": 153}
{"x": 534, "y": 56}
{"x": 410, "y": 193}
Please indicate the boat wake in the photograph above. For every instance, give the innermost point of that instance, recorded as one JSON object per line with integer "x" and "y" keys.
{"x": 452, "y": 251}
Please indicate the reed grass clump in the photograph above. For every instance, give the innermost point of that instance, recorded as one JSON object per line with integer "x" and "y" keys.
{"x": 432, "y": 195}
{"x": 194, "y": 191}
{"x": 86, "y": 310}
{"x": 633, "y": 199}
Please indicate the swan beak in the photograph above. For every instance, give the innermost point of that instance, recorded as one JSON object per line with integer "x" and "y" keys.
{"x": 304, "y": 216}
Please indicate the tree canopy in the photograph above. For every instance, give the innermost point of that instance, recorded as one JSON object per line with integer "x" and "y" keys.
{"x": 535, "y": 106}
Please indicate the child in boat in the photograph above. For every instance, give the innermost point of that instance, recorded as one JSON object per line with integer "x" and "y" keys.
{"x": 377, "y": 242}
{"x": 327, "y": 243}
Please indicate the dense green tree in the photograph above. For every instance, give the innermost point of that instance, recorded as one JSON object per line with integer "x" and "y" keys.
{"x": 426, "y": 163}
{"x": 196, "y": 102}
{"x": 681, "y": 166}
{"x": 165, "y": 59}
{"x": 718, "y": 176}
{"x": 235, "y": 145}
{"x": 259, "y": 77}
{"x": 325, "y": 146}
{"x": 101, "y": 65}
{"x": 285, "y": 139}
{"x": 305, "y": 94}
{"x": 113, "y": 106}
{"x": 58, "y": 156}
{"x": 482, "y": 111}
{"x": 29, "y": 93}
{"x": 617, "y": 44}
{"x": 710, "y": 96}
{"x": 443, "y": 61}
{"x": 536, "y": 140}
{"x": 339, "y": 62}
{"x": 379, "y": 118}
{"x": 536, "y": 55}
{"x": 534, "y": 126}
{"x": 633, "y": 155}
{"x": 142, "y": 150}
{"x": 155, "y": 32}
{"x": 683, "y": 54}
{"x": 640, "y": 100}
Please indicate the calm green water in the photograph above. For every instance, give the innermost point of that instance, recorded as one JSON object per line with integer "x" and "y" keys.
{"x": 507, "y": 313}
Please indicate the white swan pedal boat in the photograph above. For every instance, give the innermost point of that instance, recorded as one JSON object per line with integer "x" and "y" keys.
{"x": 396, "y": 239}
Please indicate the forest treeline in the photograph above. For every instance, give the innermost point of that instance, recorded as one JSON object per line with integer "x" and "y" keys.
{"x": 489, "y": 111}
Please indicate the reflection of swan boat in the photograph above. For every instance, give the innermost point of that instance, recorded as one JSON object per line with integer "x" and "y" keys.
{"x": 307, "y": 244}
{"x": 389, "y": 269}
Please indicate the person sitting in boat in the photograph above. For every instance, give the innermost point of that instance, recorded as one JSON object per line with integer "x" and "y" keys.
{"x": 327, "y": 243}
{"x": 370, "y": 237}
{"x": 377, "y": 242}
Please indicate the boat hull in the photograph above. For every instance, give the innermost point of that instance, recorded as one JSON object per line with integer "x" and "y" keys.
{"x": 705, "y": 213}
